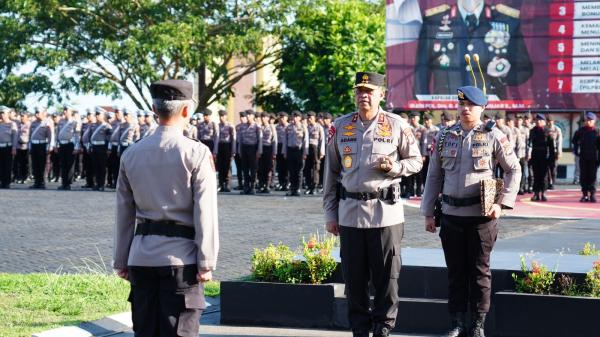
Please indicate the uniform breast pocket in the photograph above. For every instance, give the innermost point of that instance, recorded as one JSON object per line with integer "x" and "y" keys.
{"x": 381, "y": 150}
{"x": 482, "y": 163}
{"x": 449, "y": 158}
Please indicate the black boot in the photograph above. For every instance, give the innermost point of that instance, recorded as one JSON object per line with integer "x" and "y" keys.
{"x": 593, "y": 196}
{"x": 536, "y": 197}
{"x": 360, "y": 333}
{"x": 584, "y": 198}
{"x": 478, "y": 324}
{"x": 459, "y": 325}
{"x": 543, "y": 197}
{"x": 381, "y": 330}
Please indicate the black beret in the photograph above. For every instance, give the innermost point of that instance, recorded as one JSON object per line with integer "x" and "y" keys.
{"x": 283, "y": 114}
{"x": 500, "y": 115}
{"x": 222, "y": 113}
{"x": 272, "y": 115}
{"x": 172, "y": 90}
{"x": 369, "y": 80}
{"x": 549, "y": 117}
{"x": 250, "y": 112}
{"x": 311, "y": 113}
{"x": 243, "y": 114}
{"x": 320, "y": 115}
{"x": 510, "y": 118}
{"x": 540, "y": 117}
{"x": 415, "y": 114}
{"x": 427, "y": 115}
{"x": 296, "y": 113}
{"x": 327, "y": 115}
{"x": 397, "y": 111}
{"x": 207, "y": 112}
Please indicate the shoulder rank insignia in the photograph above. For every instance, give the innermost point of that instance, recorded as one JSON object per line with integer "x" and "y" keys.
{"x": 437, "y": 10}
{"x": 509, "y": 11}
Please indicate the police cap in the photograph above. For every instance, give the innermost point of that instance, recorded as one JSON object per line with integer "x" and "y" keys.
{"x": 207, "y": 112}
{"x": 282, "y": 114}
{"x": 427, "y": 116}
{"x": 327, "y": 115}
{"x": 172, "y": 90}
{"x": 472, "y": 94}
{"x": 311, "y": 113}
{"x": 250, "y": 112}
{"x": 540, "y": 116}
{"x": 369, "y": 80}
{"x": 296, "y": 113}
{"x": 500, "y": 115}
{"x": 414, "y": 114}
{"x": 222, "y": 112}
{"x": 590, "y": 115}
{"x": 243, "y": 113}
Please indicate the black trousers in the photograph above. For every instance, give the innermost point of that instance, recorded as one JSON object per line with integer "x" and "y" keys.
{"x": 265, "y": 167}
{"x": 371, "y": 255}
{"x": 295, "y": 163}
{"x": 77, "y": 165}
{"x": 467, "y": 243}
{"x": 311, "y": 167}
{"x": 88, "y": 165}
{"x": 588, "y": 171}
{"x": 121, "y": 150}
{"x": 165, "y": 301}
{"x": 67, "y": 158}
{"x": 281, "y": 167}
{"x": 530, "y": 174}
{"x": 112, "y": 167}
{"x": 551, "y": 175}
{"x": 22, "y": 161}
{"x": 6, "y": 159}
{"x": 38, "y": 163}
{"x": 209, "y": 143}
{"x": 99, "y": 157}
{"x": 524, "y": 174}
{"x": 321, "y": 171}
{"x": 237, "y": 159}
{"x": 249, "y": 164}
{"x": 224, "y": 163}
{"x": 55, "y": 161}
{"x": 540, "y": 168}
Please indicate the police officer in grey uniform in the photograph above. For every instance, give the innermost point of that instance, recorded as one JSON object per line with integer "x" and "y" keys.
{"x": 295, "y": 151}
{"x": 98, "y": 137}
{"x": 22, "y": 156}
{"x": 8, "y": 146}
{"x": 41, "y": 141}
{"x": 327, "y": 123}
{"x": 129, "y": 132}
{"x": 367, "y": 155}
{"x": 166, "y": 233}
{"x": 427, "y": 142}
{"x": 225, "y": 150}
{"x": 464, "y": 156}
{"x": 522, "y": 133}
{"x": 68, "y": 140}
{"x": 250, "y": 146}
{"x": 149, "y": 125}
{"x": 316, "y": 152}
{"x": 208, "y": 132}
{"x": 269, "y": 152}
{"x": 280, "y": 164}
{"x": 237, "y": 157}
{"x": 557, "y": 137}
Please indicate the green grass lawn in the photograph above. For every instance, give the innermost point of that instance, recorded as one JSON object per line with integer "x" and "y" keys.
{"x": 36, "y": 302}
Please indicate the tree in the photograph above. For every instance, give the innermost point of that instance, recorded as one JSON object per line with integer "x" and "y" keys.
{"x": 121, "y": 46}
{"x": 329, "y": 42}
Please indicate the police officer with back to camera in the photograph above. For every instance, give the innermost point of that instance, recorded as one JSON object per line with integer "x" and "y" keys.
{"x": 367, "y": 154}
{"x": 471, "y": 26}
{"x": 166, "y": 234}
{"x": 465, "y": 155}
{"x": 586, "y": 145}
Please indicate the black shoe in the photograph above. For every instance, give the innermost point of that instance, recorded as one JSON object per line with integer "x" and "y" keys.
{"x": 536, "y": 197}
{"x": 360, "y": 333}
{"x": 285, "y": 189}
{"x": 521, "y": 192}
{"x": 238, "y": 188}
{"x": 459, "y": 325}
{"x": 593, "y": 197}
{"x": 101, "y": 189}
{"x": 543, "y": 197}
{"x": 225, "y": 189}
{"x": 266, "y": 190}
{"x": 381, "y": 330}
{"x": 63, "y": 188}
{"x": 550, "y": 187}
{"x": 477, "y": 329}
{"x": 584, "y": 198}
{"x": 95, "y": 188}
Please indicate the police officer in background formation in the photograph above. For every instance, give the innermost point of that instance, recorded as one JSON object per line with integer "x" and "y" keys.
{"x": 366, "y": 156}
{"x": 8, "y": 146}
{"x": 327, "y": 124}
{"x": 522, "y": 134}
{"x": 586, "y": 142}
{"x": 542, "y": 148}
{"x": 237, "y": 157}
{"x": 167, "y": 253}
{"x": 415, "y": 182}
{"x": 112, "y": 161}
{"x": 41, "y": 141}
{"x": 129, "y": 132}
{"x": 269, "y": 152}
{"x": 557, "y": 138}
{"x": 68, "y": 141}
{"x": 208, "y": 132}
{"x": 427, "y": 142}
{"x": 98, "y": 138}
{"x": 250, "y": 147}
{"x": 87, "y": 150}
{"x": 295, "y": 151}
{"x": 22, "y": 156}
{"x": 149, "y": 125}
{"x": 316, "y": 152}
{"x": 449, "y": 32}
{"x": 280, "y": 163}
{"x": 225, "y": 150}
{"x": 190, "y": 130}
{"x": 464, "y": 156}
{"x": 53, "y": 170}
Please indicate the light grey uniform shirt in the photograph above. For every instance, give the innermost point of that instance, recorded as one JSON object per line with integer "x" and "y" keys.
{"x": 467, "y": 158}
{"x": 227, "y": 135}
{"x": 42, "y": 132}
{"x": 296, "y": 136}
{"x": 97, "y": 134}
{"x": 316, "y": 137}
{"x": 9, "y": 134}
{"x": 191, "y": 131}
{"x": 428, "y": 139}
{"x": 524, "y": 134}
{"x": 419, "y": 132}
{"x": 353, "y": 156}
{"x": 23, "y": 139}
{"x": 520, "y": 143}
{"x": 280, "y": 128}
{"x": 128, "y": 133}
{"x": 69, "y": 131}
{"x": 183, "y": 188}
{"x": 209, "y": 131}
{"x": 250, "y": 134}
{"x": 269, "y": 136}
{"x": 556, "y": 134}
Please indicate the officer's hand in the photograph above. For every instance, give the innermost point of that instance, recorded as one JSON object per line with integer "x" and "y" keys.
{"x": 385, "y": 163}
{"x": 321, "y": 157}
{"x": 333, "y": 227}
{"x": 258, "y": 156}
{"x": 495, "y": 212}
{"x": 122, "y": 273}
{"x": 204, "y": 276}
{"x": 108, "y": 152}
{"x": 14, "y": 152}
{"x": 430, "y": 224}
{"x": 304, "y": 157}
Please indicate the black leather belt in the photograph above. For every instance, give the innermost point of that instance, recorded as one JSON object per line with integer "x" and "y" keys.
{"x": 460, "y": 202}
{"x": 390, "y": 193}
{"x": 168, "y": 228}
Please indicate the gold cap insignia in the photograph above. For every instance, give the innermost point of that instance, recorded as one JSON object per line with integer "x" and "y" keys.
{"x": 365, "y": 78}
{"x": 461, "y": 95}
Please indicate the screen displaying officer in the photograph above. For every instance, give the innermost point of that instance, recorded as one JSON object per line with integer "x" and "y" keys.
{"x": 471, "y": 26}
{"x": 464, "y": 156}
{"x": 167, "y": 253}
{"x": 367, "y": 154}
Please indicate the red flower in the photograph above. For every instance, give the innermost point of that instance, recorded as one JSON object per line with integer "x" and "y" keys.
{"x": 310, "y": 244}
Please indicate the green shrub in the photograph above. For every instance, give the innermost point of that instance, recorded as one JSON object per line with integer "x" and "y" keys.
{"x": 538, "y": 280}
{"x": 589, "y": 249}
{"x": 592, "y": 280}
{"x": 267, "y": 264}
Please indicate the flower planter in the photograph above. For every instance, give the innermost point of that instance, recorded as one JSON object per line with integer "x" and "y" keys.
{"x": 279, "y": 304}
{"x": 520, "y": 315}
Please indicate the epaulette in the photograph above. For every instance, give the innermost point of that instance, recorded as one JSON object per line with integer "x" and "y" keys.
{"x": 508, "y": 11}
{"x": 437, "y": 10}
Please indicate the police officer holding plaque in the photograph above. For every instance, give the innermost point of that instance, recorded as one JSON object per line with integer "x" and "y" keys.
{"x": 368, "y": 152}
{"x": 471, "y": 26}
{"x": 465, "y": 156}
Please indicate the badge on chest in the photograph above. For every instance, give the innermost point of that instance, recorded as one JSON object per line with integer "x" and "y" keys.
{"x": 347, "y": 161}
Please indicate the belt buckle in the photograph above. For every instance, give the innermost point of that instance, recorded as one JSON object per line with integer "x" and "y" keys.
{"x": 363, "y": 196}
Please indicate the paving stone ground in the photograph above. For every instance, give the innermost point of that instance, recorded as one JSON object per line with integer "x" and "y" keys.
{"x": 71, "y": 231}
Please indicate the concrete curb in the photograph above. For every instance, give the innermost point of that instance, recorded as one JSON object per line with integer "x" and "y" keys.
{"x": 103, "y": 327}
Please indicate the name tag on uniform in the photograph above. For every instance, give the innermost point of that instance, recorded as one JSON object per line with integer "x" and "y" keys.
{"x": 444, "y": 35}
{"x": 480, "y": 152}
